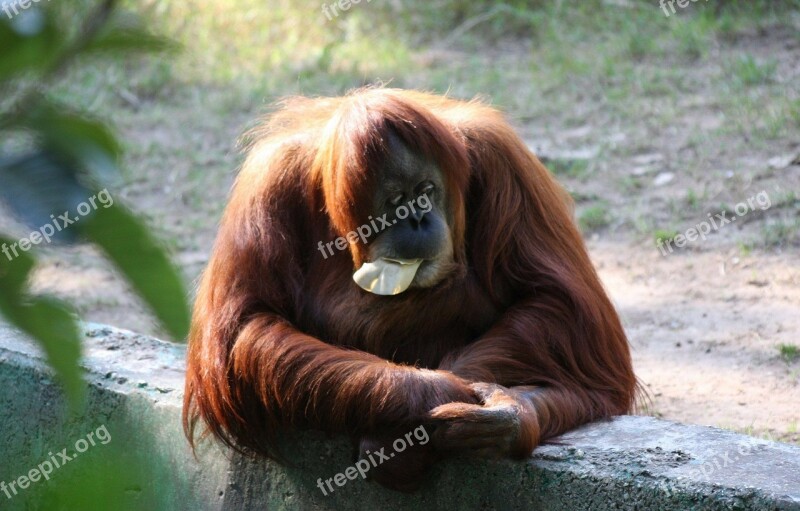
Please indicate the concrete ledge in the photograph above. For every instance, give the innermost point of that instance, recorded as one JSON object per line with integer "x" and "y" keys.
{"x": 135, "y": 386}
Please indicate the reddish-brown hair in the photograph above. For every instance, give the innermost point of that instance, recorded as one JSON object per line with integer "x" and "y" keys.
{"x": 282, "y": 338}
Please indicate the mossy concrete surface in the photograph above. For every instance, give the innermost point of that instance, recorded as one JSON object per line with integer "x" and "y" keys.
{"x": 135, "y": 388}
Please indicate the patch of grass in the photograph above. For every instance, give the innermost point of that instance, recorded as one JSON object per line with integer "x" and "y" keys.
{"x": 793, "y": 112}
{"x": 664, "y": 235}
{"x": 781, "y": 232}
{"x": 259, "y": 51}
{"x": 630, "y": 184}
{"x": 761, "y": 118}
{"x": 693, "y": 36}
{"x": 789, "y": 352}
{"x": 573, "y": 168}
{"x": 641, "y": 44}
{"x": 594, "y": 218}
{"x": 580, "y": 197}
{"x": 746, "y": 71}
{"x": 692, "y": 200}
{"x": 746, "y": 430}
{"x": 745, "y": 249}
{"x": 781, "y": 119}
{"x": 787, "y": 199}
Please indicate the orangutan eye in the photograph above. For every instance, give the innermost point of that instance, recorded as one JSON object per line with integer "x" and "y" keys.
{"x": 396, "y": 199}
{"x": 427, "y": 188}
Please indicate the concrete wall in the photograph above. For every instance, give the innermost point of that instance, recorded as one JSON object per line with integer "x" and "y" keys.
{"x": 135, "y": 386}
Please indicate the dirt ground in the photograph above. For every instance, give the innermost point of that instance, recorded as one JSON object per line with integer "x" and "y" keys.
{"x": 705, "y": 322}
{"x": 704, "y": 329}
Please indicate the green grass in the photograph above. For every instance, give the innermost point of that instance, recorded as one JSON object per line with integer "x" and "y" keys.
{"x": 572, "y": 168}
{"x": 694, "y": 36}
{"x": 630, "y": 184}
{"x": 594, "y": 218}
{"x": 747, "y": 71}
{"x": 664, "y": 235}
{"x": 781, "y": 232}
{"x": 789, "y": 352}
{"x": 641, "y": 44}
{"x": 581, "y": 197}
{"x": 745, "y": 249}
{"x": 258, "y": 51}
{"x": 692, "y": 200}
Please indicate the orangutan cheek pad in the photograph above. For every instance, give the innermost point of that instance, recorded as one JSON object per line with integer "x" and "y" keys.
{"x": 386, "y": 276}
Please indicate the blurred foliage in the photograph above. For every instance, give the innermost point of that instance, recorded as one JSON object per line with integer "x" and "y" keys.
{"x": 53, "y": 159}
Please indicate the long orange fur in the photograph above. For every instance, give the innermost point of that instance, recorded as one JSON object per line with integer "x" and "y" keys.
{"x": 282, "y": 339}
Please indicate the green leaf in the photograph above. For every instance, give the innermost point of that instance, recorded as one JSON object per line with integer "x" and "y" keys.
{"x": 131, "y": 40}
{"x": 12, "y": 278}
{"x": 127, "y": 33}
{"x": 46, "y": 320}
{"x": 49, "y": 322}
{"x": 28, "y": 42}
{"x": 88, "y": 142}
{"x": 129, "y": 245}
{"x": 109, "y": 472}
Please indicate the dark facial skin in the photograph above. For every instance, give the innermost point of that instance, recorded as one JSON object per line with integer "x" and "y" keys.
{"x": 412, "y": 186}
